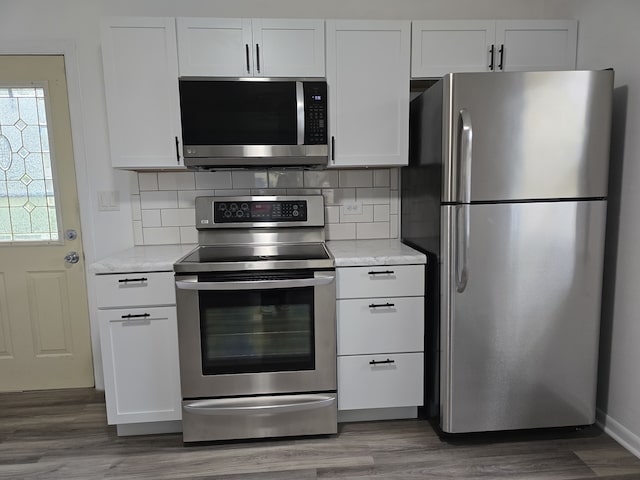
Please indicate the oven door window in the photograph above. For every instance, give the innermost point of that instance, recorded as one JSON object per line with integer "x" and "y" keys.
{"x": 253, "y": 331}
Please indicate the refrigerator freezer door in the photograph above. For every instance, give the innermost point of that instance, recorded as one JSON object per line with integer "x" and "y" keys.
{"x": 519, "y": 342}
{"x": 535, "y": 135}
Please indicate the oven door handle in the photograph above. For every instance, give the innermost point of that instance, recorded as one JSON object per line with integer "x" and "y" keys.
{"x": 194, "y": 284}
{"x": 258, "y": 405}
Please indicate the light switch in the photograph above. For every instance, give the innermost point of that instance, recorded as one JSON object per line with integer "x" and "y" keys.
{"x": 108, "y": 201}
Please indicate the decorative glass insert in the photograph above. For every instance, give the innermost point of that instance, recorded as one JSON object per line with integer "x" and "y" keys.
{"x": 27, "y": 200}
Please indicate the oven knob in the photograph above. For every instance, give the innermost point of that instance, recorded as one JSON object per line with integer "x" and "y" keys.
{"x": 227, "y": 213}
{"x": 233, "y": 207}
{"x": 295, "y": 213}
{"x": 244, "y": 206}
{"x": 240, "y": 213}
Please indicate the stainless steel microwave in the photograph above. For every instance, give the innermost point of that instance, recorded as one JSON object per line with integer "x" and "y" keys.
{"x": 253, "y": 122}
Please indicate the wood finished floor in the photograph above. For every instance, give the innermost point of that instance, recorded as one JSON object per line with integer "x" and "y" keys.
{"x": 64, "y": 435}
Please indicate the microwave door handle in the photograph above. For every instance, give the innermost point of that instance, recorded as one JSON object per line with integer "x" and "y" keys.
{"x": 193, "y": 284}
{"x": 300, "y": 111}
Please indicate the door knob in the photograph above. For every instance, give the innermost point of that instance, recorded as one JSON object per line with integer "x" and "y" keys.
{"x": 72, "y": 257}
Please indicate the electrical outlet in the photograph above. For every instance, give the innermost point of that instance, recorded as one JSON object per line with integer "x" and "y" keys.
{"x": 352, "y": 208}
{"x": 108, "y": 201}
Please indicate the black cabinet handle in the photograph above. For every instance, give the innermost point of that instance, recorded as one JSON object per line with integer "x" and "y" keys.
{"x": 381, "y": 305}
{"x": 384, "y": 272}
{"x": 246, "y": 50}
{"x": 258, "y": 56}
{"x": 493, "y": 54}
{"x": 127, "y": 280}
{"x": 177, "y": 149}
{"x": 140, "y": 315}
{"x": 333, "y": 149}
{"x": 382, "y": 362}
{"x": 501, "y": 64}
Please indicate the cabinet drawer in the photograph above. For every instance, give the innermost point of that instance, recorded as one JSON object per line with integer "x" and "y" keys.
{"x": 364, "y": 385}
{"x": 380, "y": 281}
{"x": 135, "y": 289}
{"x": 380, "y": 325}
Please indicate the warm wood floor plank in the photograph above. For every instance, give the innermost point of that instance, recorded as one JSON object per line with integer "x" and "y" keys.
{"x": 63, "y": 435}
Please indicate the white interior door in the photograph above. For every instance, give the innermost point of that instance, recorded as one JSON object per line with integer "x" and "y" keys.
{"x": 44, "y": 320}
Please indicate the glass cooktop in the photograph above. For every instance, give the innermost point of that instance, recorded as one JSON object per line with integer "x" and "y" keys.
{"x": 237, "y": 257}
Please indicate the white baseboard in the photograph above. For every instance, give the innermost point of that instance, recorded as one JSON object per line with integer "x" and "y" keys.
{"x": 618, "y": 432}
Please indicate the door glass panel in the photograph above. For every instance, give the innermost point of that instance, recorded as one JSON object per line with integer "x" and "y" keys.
{"x": 27, "y": 198}
{"x": 257, "y": 331}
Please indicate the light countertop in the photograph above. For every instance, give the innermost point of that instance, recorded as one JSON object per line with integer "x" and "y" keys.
{"x": 148, "y": 258}
{"x": 353, "y": 253}
{"x": 347, "y": 253}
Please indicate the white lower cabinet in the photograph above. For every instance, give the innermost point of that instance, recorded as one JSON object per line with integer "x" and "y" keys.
{"x": 380, "y": 314}
{"x": 139, "y": 342}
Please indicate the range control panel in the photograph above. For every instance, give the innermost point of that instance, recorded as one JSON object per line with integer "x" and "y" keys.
{"x": 260, "y": 211}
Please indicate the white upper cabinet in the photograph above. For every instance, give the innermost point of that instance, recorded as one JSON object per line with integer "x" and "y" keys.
{"x": 368, "y": 70}
{"x": 141, "y": 84}
{"x": 241, "y": 47}
{"x": 536, "y": 45}
{"x": 441, "y": 47}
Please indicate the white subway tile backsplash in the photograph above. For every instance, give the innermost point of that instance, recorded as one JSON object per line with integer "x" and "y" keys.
{"x": 188, "y": 235}
{"x": 178, "y": 217}
{"x": 380, "y": 213}
{"x": 394, "y": 225}
{"x": 338, "y": 196}
{"x": 340, "y": 231}
{"x": 381, "y": 178}
{"x": 213, "y": 180}
{"x": 321, "y": 179}
{"x": 187, "y": 198}
{"x": 161, "y": 236}
{"x": 355, "y": 178}
{"x": 249, "y": 179}
{"x": 147, "y": 181}
{"x": 176, "y": 181}
{"x": 286, "y": 179}
{"x": 159, "y": 199}
{"x": 394, "y": 178}
{"x": 163, "y": 203}
{"x": 304, "y": 191}
{"x": 332, "y": 214}
{"x": 151, "y": 218}
{"x": 373, "y": 196}
{"x": 366, "y": 231}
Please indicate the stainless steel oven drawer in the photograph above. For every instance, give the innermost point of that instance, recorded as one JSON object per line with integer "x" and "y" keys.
{"x": 259, "y": 417}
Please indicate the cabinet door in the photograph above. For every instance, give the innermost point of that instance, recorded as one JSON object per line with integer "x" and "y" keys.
{"x": 536, "y": 45}
{"x": 441, "y": 47}
{"x": 288, "y": 48}
{"x": 141, "y": 85}
{"x": 140, "y": 361}
{"x": 215, "y": 47}
{"x": 368, "y": 88}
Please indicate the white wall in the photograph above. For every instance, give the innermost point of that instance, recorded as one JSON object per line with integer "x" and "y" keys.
{"x": 30, "y": 25}
{"x": 609, "y": 37}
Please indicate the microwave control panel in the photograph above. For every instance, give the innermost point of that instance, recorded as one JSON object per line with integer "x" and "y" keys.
{"x": 260, "y": 211}
{"x": 315, "y": 113}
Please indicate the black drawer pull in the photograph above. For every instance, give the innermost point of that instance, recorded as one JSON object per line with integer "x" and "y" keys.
{"x": 382, "y": 362}
{"x": 381, "y": 305}
{"x": 127, "y": 280}
{"x": 385, "y": 272}
{"x": 140, "y": 315}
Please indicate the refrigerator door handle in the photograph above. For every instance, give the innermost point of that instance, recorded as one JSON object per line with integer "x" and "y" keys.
{"x": 462, "y": 212}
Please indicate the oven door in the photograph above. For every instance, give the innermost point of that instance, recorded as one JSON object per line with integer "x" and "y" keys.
{"x": 256, "y": 333}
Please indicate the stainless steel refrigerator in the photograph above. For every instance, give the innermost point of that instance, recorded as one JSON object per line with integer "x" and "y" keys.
{"x": 506, "y": 192}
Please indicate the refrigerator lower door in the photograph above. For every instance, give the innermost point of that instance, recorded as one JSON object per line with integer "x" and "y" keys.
{"x": 520, "y": 314}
